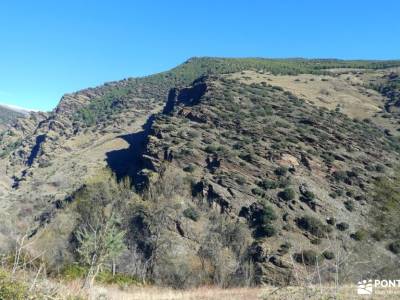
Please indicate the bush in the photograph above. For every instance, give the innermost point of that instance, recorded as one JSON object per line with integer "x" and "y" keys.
{"x": 308, "y": 195}
{"x": 191, "y": 213}
{"x": 378, "y": 236}
{"x": 189, "y": 168}
{"x": 240, "y": 180}
{"x": 264, "y": 230}
{"x": 316, "y": 241}
{"x": 379, "y": 168}
{"x": 313, "y": 226}
{"x": 284, "y": 182}
{"x": 342, "y": 226}
{"x": 287, "y": 194}
{"x": 395, "y": 247}
{"x": 262, "y": 221}
{"x": 328, "y": 255}
{"x": 74, "y": 271}
{"x": 11, "y": 289}
{"x": 331, "y": 221}
{"x": 340, "y": 175}
{"x": 193, "y": 134}
{"x": 212, "y": 148}
{"x": 249, "y": 157}
{"x": 267, "y": 184}
{"x": 307, "y": 257}
{"x": 284, "y": 248}
{"x": 359, "y": 235}
{"x": 257, "y": 191}
{"x": 264, "y": 216}
{"x": 281, "y": 171}
{"x": 349, "y": 205}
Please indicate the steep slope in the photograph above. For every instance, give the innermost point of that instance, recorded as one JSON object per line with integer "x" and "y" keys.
{"x": 7, "y": 115}
{"x": 249, "y": 149}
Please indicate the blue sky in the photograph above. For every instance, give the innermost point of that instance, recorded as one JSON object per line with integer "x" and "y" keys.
{"x": 48, "y": 48}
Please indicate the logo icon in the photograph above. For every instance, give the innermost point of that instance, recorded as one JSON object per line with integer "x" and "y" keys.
{"x": 364, "y": 287}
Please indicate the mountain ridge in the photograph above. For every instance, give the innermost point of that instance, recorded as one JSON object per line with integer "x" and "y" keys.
{"x": 268, "y": 149}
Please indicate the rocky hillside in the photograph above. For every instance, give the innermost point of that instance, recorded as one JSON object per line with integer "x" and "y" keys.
{"x": 230, "y": 171}
{"x": 7, "y": 115}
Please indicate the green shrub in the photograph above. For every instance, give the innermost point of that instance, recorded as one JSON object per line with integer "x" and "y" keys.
{"x": 281, "y": 171}
{"x": 333, "y": 195}
{"x": 211, "y": 148}
{"x": 386, "y": 208}
{"x": 340, "y": 175}
{"x": 328, "y": 255}
{"x": 308, "y": 195}
{"x": 257, "y": 191}
{"x": 249, "y": 157}
{"x": 265, "y": 216}
{"x": 264, "y": 230}
{"x": 284, "y": 182}
{"x": 307, "y": 257}
{"x": 74, "y": 271}
{"x": 349, "y": 204}
{"x": 189, "y": 168}
{"x": 395, "y": 247}
{"x": 11, "y": 289}
{"x": 379, "y": 168}
{"x": 267, "y": 184}
{"x": 284, "y": 248}
{"x": 240, "y": 180}
{"x": 359, "y": 235}
{"x": 313, "y": 226}
{"x": 262, "y": 221}
{"x": 287, "y": 194}
{"x": 316, "y": 241}
{"x": 193, "y": 134}
{"x": 342, "y": 226}
{"x": 191, "y": 213}
{"x": 378, "y": 235}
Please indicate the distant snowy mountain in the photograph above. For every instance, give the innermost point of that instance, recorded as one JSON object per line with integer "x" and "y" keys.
{"x": 16, "y": 108}
{"x": 9, "y": 113}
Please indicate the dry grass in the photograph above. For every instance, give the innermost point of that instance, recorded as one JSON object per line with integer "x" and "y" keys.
{"x": 345, "y": 89}
{"x": 325, "y": 91}
{"x": 52, "y": 288}
{"x": 214, "y": 293}
{"x": 156, "y": 293}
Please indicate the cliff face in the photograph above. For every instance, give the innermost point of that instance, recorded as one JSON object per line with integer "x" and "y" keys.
{"x": 274, "y": 161}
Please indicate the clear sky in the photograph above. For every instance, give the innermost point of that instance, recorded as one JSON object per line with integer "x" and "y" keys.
{"x": 48, "y": 48}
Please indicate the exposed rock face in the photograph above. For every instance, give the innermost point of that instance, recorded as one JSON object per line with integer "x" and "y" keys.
{"x": 49, "y": 155}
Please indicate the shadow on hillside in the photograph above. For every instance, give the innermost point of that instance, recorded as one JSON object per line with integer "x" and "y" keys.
{"x": 40, "y": 139}
{"x": 128, "y": 162}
